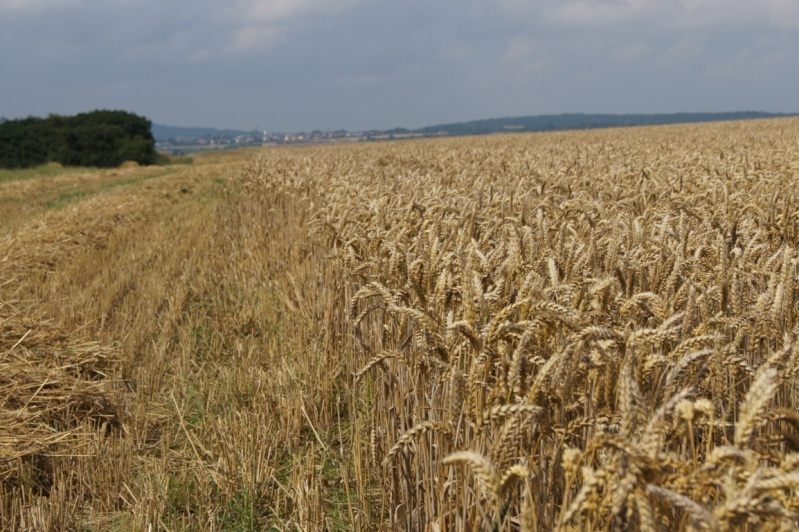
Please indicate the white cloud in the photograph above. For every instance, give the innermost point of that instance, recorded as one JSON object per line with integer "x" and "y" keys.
{"x": 712, "y": 13}
{"x": 35, "y": 5}
{"x": 264, "y": 23}
{"x": 276, "y": 10}
{"x": 676, "y": 13}
{"x": 632, "y": 52}
{"x": 681, "y": 51}
{"x": 521, "y": 49}
{"x": 269, "y": 11}
{"x": 457, "y": 53}
{"x": 256, "y": 37}
{"x": 200, "y": 56}
{"x": 527, "y": 54}
{"x": 747, "y": 65}
{"x": 360, "y": 80}
{"x": 603, "y": 12}
{"x": 784, "y": 13}
{"x": 519, "y": 7}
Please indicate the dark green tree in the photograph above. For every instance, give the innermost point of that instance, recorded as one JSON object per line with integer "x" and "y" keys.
{"x": 98, "y": 138}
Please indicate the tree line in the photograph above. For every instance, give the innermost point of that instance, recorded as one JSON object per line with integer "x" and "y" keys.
{"x": 98, "y": 138}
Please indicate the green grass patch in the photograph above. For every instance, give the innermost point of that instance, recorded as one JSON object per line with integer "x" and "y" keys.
{"x": 8, "y": 175}
{"x": 66, "y": 198}
{"x": 241, "y": 512}
{"x": 47, "y": 170}
{"x": 133, "y": 180}
{"x": 194, "y": 414}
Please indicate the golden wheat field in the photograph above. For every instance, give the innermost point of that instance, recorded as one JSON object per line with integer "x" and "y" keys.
{"x": 591, "y": 330}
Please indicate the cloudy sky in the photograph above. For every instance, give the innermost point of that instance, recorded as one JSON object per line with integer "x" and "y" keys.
{"x": 293, "y": 65}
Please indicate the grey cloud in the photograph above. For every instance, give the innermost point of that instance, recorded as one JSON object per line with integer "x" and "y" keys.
{"x": 305, "y": 64}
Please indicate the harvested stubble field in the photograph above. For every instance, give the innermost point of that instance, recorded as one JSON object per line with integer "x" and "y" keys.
{"x": 577, "y": 331}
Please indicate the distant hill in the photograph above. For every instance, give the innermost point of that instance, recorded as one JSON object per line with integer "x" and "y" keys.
{"x": 496, "y": 125}
{"x": 162, "y": 132}
{"x": 582, "y": 121}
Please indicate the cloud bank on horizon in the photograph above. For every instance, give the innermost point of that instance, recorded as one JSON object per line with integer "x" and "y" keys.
{"x": 289, "y": 65}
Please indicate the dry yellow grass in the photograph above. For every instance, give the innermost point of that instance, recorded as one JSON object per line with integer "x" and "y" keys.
{"x": 577, "y": 331}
